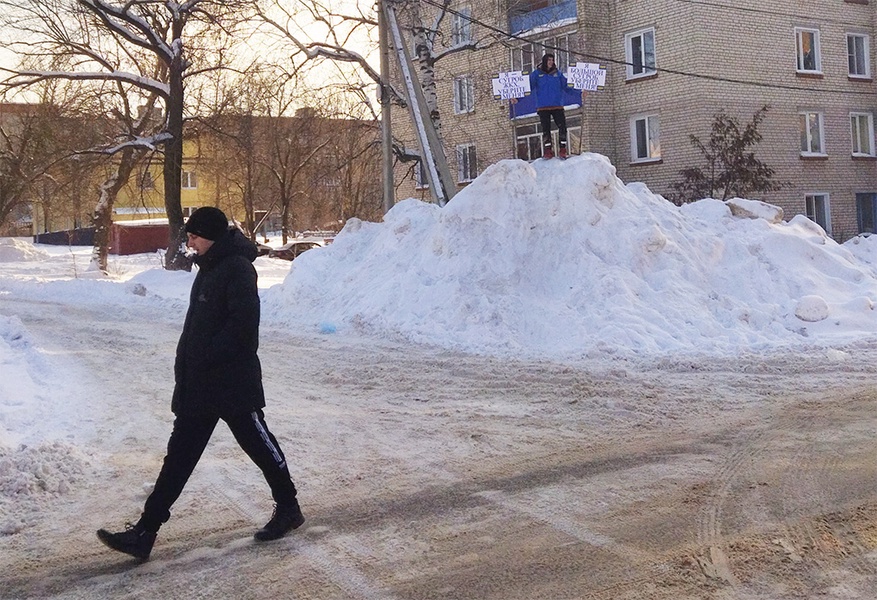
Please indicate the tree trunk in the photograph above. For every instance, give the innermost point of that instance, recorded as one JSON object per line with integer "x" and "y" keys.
{"x": 103, "y": 212}
{"x": 175, "y": 259}
{"x": 423, "y": 50}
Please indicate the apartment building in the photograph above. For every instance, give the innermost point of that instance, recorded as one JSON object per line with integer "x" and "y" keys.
{"x": 672, "y": 65}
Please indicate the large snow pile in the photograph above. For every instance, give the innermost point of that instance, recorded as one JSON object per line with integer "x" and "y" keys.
{"x": 14, "y": 250}
{"x": 561, "y": 259}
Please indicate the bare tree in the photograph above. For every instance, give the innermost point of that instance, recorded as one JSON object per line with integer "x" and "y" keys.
{"x": 286, "y": 20}
{"x": 730, "y": 168}
{"x": 37, "y": 151}
{"x": 147, "y": 46}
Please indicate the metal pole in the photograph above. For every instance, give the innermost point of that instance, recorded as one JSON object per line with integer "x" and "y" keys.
{"x": 441, "y": 183}
{"x": 386, "y": 126}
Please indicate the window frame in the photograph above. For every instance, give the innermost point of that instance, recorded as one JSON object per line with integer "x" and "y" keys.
{"x": 189, "y": 180}
{"x": 461, "y": 25}
{"x": 810, "y": 211}
{"x": 467, "y": 163}
{"x": 537, "y": 48}
{"x": 648, "y": 70}
{"x": 652, "y": 125}
{"x": 800, "y": 55}
{"x": 464, "y": 91}
{"x": 866, "y": 55}
{"x": 866, "y": 200}
{"x": 804, "y": 122}
{"x": 854, "y": 133}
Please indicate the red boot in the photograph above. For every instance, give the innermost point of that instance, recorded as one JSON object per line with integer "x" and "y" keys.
{"x": 547, "y": 151}
{"x": 562, "y": 153}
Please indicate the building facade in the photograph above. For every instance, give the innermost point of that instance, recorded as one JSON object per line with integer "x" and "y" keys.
{"x": 672, "y": 65}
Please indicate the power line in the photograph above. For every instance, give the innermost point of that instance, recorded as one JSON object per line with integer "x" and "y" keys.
{"x": 603, "y": 59}
{"x": 764, "y": 11}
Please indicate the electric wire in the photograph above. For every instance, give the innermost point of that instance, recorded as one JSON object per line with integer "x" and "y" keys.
{"x": 603, "y": 59}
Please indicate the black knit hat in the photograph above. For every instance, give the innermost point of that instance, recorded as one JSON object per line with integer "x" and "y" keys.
{"x": 207, "y": 222}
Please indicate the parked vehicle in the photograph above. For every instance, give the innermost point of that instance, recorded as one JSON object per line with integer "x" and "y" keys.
{"x": 293, "y": 249}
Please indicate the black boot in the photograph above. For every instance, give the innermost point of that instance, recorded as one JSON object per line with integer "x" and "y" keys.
{"x": 284, "y": 519}
{"x": 135, "y": 540}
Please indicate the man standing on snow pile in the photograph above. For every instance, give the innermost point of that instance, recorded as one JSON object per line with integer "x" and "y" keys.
{"x": 548, "y": 83}
{"x": 218, "y": 376}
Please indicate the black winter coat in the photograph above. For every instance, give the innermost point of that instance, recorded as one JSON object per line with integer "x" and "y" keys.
{"x": 217, "y": 371}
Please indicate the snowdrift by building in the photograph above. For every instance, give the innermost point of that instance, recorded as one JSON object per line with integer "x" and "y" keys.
{"x": 561, "y": 259}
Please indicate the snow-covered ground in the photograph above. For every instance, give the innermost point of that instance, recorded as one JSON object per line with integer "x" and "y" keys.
{"x": 547, "y": 305}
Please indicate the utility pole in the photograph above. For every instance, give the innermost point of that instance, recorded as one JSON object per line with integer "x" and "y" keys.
{"x": 441, "y": 183}
{"x": 386, "y": 125}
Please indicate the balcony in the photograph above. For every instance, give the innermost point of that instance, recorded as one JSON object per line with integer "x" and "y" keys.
{"x": 526, "y": 15}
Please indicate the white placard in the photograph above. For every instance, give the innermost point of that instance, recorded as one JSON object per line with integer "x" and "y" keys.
{"x": 513, "y": 84}
{"x": 586, "y": 76}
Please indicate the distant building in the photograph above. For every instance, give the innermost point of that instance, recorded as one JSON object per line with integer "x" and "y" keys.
{"x": 326, "y": 165}
{"x": 672, "y": 65}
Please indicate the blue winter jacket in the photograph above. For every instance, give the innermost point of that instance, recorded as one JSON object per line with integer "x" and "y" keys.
{"x": 548, "y": 88}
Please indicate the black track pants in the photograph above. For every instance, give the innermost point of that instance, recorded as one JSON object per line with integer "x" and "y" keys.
{"x": 187, "y": 442}
{"x": 559, "y": 116}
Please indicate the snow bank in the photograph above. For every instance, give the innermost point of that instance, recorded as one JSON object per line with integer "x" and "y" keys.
{"x": 14, "y": 250}
{"x": 31, "y": 479}
{"x": 560, "y": 259}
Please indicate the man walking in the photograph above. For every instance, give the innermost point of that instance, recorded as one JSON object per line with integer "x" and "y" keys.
{"x": 218, "y": 376}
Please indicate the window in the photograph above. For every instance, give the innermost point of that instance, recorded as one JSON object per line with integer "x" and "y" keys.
{"x": 639, "y": 48}
{"x": 811, "y": 134}
{"x": 146, "y": 181}
{"x": 862, "y": 130}
{"x": 527, "y": 57}
{"x": 467, "y": 163}
{"x": 818, "y": 210}
{"x": 190, "y": 182}
{"x": 858, "y": 50}
{"x": 645, "y": 138}
{"x": 528, "y": 141}
{"x": 809, "y": 60}
{"x": 464, "y": 95}
{"x": 461, "y": 26}
{"x": 866, "y": 212}
{"x": 523, "y": 58}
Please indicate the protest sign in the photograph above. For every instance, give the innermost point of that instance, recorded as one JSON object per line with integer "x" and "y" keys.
{"x": 513, "y": 84}
{"x": 586, "y": 76}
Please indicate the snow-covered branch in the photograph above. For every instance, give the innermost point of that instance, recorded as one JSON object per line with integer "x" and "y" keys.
{"x": 140, "y": 143}
{"x": 26, "y": 78}
{"x": 129, "y": 26}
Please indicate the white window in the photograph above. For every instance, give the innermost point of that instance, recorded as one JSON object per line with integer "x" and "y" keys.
{"x": 811, "y": 134}
{"x": 862, "y": 130}
{"x": 467, "y": 163}
{"x": 464, "y": 95}
{"x": 858, "y": 51}
{"x": 639, "y": 48}
{"x": 528, "y": 140}
{"x": 461, "y": 26}
{"x": 523, "y": 57}
{"x": 818, "y": 210}
{"x": 190, "y": 182}
{"x": 809, "y": 60}
{"x": 527, "y": 57}
{"x": 645, "y": 138}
